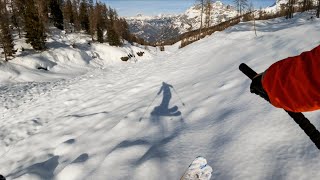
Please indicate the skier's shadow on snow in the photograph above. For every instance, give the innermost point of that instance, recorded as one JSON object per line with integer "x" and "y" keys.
{"x": 163, "y": 109}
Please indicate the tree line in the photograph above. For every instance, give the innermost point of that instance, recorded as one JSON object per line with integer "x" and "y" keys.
{"x": 245, "y": 13}
{"x": 287, "y": 10}
{"x": 32, "y": 18}
{"x": 195, "y": 35}
{"x": 299, "y": 6}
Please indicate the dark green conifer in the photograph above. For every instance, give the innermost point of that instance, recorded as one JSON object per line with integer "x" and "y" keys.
{"x": 35, "y": 31}
{"x": 84, "y": 16}
{"x": 113, "y": 37}
{"x": 6, "y": 40}
{"x": 56, "y": 13}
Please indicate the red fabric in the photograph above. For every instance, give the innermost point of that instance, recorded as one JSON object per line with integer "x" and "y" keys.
{"x": 294, "y": 83}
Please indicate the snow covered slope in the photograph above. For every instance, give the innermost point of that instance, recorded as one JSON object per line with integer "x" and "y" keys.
{"x": 165, "y": 27}
{"x": 67, "y": 55}
{"x": 111, "y": 123}
{"x": 276, "y": 7}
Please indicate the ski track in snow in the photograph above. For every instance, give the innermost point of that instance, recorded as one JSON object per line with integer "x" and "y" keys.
{"x": 111, "y": 124}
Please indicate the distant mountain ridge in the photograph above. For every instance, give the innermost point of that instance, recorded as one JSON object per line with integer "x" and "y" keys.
{"x": 163, "y": 27}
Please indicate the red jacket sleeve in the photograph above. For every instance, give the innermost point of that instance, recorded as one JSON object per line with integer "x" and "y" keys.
{"x": 294, "y": 83}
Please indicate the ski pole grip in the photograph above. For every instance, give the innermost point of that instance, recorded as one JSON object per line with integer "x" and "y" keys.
{"x": 247, "y": 71}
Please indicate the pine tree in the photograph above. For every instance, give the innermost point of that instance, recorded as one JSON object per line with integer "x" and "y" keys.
{"x": 16, "y": 17}
{"x": 21, "y": 8}
{"x": 307, "y": 5}
{"x": 119, "y": 27}
{"x": 42, "y": 8}
{"x": 93, "y": 15}
{"x": 125, "y": 29}
{"x": 304, "y": 5}
{"x": 75, "y": 8}
{"x": 6, "y": 40}
{"x": 35, "y": 31}
{"x": 112, "y": 36}
{"x": 318, "y": 9}
{"x": 56, "y": 13}
{"x": 68, "y": 16}
{"x": 84, "y": 16}
{"x": 310, "y": 4}
{"x": 100, "y": 35}
{"x": 101, "y": 18}
{"x": 68, "y": 12}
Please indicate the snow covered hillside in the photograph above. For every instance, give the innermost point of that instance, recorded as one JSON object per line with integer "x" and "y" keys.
{"x": 149, "y": 120}
{"x": 276, "y": 7}
{"x": 67, "y": 55}
{"x": 164, "y": 27}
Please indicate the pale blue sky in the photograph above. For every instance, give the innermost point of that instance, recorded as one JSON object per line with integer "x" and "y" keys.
{"x": 155, "y": 7}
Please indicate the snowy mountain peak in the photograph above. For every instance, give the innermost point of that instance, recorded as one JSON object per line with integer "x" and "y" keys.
{"x": 163, "y": 26}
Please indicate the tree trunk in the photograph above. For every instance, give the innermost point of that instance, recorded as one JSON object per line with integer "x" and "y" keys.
{"x": 254, "y": 25}
{"x": 304, "y": 7}
{"x": 290, "y": 9}
{"x": 5, "y": 54}
{"x": 201, "y": 19}
{"x": 208, "y": 12}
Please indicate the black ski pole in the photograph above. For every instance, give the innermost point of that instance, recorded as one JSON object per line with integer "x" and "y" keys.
{"x": 299, "y": 118}
{"x": 178, "y": 96}
{"x": 148, "y": 107}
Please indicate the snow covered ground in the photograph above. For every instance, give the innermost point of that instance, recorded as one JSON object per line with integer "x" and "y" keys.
{"x": 149, "y": 120}
{"x": 67, "y": 55}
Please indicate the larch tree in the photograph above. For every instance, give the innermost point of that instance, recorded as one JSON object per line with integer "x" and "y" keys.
{"x": 43, "y": 11}
{"x": 241, "y": 5}
{"x": 208, "y": 9}
{"x": 201, "y": 2}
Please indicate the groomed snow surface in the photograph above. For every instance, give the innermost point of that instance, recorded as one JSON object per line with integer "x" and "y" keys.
{"x": 104, "y": 119}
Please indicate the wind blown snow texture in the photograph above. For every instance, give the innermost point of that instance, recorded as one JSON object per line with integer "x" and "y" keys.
{"x": 99, "y": 125}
